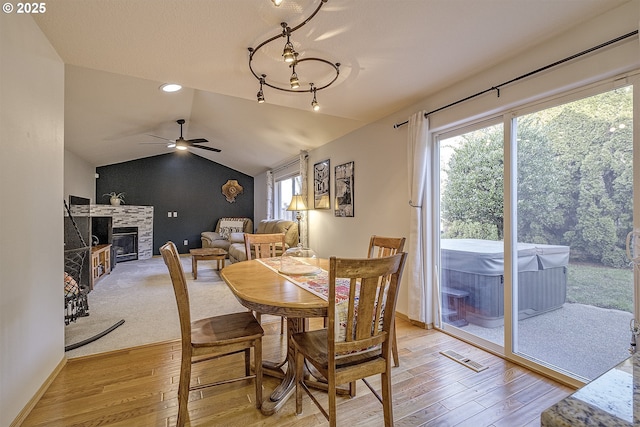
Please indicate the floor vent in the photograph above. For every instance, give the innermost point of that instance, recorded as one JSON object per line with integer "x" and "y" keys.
{"x": 464, "y": 360}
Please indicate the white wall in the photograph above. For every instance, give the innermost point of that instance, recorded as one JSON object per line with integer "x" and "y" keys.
{"x": 31, "y": 212}
{"x": 79, "y": 177}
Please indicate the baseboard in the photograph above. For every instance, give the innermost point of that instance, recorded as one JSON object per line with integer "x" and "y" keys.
{"x": 36, "y": 397}
{"x": 175, "y": 342}
{"x": 414, "y": 322}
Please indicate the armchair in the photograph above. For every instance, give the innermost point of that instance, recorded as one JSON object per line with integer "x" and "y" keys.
{"x": 219, "y": 238}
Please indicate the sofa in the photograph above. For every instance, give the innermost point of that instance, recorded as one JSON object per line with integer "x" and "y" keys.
{"x": 237, "y": 250}
{"x": 219, "y": 238}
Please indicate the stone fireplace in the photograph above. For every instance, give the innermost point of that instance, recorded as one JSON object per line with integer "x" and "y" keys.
{"x": 128, "y": 218}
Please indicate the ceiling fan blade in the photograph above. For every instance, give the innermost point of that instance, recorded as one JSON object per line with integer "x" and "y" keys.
{"x": 197, "y": 140}
{"x": 159, "y": 137}
{"x": 217, "y": 150}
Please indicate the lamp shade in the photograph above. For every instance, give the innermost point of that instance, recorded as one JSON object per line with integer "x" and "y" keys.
{"x": 297, "y": 204}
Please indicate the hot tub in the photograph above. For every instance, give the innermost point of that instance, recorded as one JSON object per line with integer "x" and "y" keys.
{"x": 477, "y": 267}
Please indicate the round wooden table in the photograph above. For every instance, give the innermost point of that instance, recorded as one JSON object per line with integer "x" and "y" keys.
{"x": 261, "y": 289}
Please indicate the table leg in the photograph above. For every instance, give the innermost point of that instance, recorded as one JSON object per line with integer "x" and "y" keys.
{"x": 288, "y": 386}
{"x": 194, "y": 266}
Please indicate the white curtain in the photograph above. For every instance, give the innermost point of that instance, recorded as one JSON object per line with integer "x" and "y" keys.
{"x": 269, "y": 195}
{"x": 304, "y": 192}
{"x": 420, "y": 243}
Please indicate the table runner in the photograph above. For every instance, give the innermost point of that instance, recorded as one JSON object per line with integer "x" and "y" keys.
{"x": 317, "y": 284}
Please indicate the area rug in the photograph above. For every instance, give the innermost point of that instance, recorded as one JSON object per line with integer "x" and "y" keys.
{"x": 140, "y": 293}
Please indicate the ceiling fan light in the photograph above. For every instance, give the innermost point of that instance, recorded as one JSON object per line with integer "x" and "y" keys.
{"x": 181, "y": 144}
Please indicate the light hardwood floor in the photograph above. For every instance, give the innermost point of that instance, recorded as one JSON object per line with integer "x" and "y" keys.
{"x": 138, "y": 387}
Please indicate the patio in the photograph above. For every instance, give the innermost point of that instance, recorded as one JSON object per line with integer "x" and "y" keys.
{"x": 577, "y": 338}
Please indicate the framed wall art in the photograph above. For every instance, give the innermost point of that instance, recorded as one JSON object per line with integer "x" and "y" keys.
{"x": 344, "y": 190}
{"x": 321, "y": 185}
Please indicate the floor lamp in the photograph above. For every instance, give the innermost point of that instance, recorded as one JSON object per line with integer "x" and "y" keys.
{"x": 298, "y": 205}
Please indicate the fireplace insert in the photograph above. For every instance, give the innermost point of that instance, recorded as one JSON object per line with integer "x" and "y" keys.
{"x": 125, "y": 243}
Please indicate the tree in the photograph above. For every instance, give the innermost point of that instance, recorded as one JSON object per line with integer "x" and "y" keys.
{"x": 472, "y": 198}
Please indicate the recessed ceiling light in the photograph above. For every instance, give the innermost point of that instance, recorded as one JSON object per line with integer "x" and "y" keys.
{"x": 170, "y": 87}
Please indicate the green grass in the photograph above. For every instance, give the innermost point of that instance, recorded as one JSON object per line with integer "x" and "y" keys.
{"x": 600, "y": 286}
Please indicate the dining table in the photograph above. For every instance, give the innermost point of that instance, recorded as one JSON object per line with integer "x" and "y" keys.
{"x": 263, "y": 286}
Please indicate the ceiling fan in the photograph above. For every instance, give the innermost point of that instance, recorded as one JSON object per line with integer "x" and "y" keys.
{"x": 183, "y": 144}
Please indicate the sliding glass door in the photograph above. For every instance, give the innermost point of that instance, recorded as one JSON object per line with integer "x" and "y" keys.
{"x": 472, "y": 231}
{"x": 574, "y": 175}
{"x": 535, "y": 208}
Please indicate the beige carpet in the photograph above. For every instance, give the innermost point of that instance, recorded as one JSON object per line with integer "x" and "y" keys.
{"x": 140, "y": 292}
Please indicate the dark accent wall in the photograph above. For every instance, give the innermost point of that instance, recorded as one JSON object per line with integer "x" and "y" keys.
{"x": 177, "y": 182}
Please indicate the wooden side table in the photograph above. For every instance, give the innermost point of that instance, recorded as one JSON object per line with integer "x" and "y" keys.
{"x": 100, "y": 262}
{"x": 202, "y": 254}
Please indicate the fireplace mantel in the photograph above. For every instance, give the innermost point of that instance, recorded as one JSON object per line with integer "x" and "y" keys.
{"x": 131, "y": 216}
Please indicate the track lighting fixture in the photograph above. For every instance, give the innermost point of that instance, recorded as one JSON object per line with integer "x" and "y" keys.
{"x": 293, "y": 58}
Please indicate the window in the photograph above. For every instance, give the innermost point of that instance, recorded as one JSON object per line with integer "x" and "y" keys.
{"x": 287, "y": 181}
{"x": 284, "y": 190}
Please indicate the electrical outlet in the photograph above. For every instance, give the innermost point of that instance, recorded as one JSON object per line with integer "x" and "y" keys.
{"x": 186, "y": 242}
{"x": 175, "y": 214}
{"x": 169, "y": 214}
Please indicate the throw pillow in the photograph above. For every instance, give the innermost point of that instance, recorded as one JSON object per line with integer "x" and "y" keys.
{"x": 230, "y": 225}
{"x": 71, "y": 287}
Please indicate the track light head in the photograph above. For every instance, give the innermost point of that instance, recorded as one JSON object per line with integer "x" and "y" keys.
{"x": 314, "y": 102}
{"x": 289, "y": 54}
{"x": 295, "y": 83}
{"x": 260, "y": 92}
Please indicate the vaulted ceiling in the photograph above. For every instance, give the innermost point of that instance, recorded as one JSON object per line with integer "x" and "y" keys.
{"x": 393, "y": 53}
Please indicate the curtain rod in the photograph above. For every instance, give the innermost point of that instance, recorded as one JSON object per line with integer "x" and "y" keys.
{"x": 546, "y": 67}
{"x": 288, "y": 164}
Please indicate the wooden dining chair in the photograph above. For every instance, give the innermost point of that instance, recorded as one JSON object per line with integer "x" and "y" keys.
{"x": 357, "y": 342}
{"x": 384, "y": 246}
{"x": 211, "y": 338}
{"x": 265, "y": 246}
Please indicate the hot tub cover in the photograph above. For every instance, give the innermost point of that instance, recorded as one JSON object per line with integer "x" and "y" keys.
{"x": 486, "y": 257}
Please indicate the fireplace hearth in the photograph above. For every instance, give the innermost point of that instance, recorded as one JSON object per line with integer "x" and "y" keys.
{"x": 125, "y": 243}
